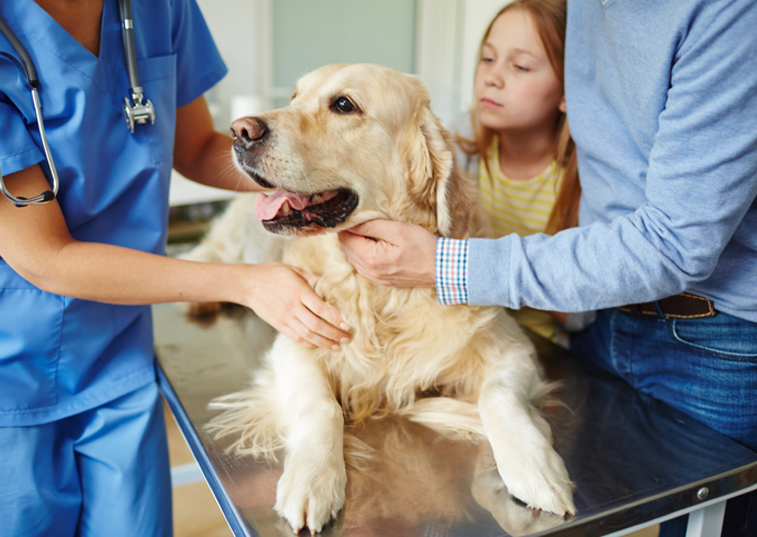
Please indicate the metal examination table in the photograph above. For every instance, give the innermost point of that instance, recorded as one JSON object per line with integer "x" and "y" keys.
{"x": 635, "y": 461}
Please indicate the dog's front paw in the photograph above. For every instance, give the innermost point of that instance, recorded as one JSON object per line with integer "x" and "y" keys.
{"x": 541, "y": 481}
{"x": 490, "y": 493}
{"x": 311, "y": 494}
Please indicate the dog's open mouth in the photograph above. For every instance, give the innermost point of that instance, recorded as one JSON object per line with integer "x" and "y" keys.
{"x": 285, "y": 211}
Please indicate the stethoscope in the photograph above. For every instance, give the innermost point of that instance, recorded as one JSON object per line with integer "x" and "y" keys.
{"x": 136, "y": 109}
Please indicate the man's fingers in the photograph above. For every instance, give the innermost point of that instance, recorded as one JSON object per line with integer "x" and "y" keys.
{"x": 352, "y": 241}
{"x": 364, "y": 250}
{"x": 365, "y": 229}
{"x": 378, "y": 230}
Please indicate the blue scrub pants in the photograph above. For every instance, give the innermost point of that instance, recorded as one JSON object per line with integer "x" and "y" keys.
{"x": 706, "y": 368}
{"x": 102, "y": 472}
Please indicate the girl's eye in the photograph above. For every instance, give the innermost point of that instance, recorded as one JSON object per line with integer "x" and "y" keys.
{"x": 521, "y": 68}
{"x": 343, "y": 105}
{"x": 487, "y": 60}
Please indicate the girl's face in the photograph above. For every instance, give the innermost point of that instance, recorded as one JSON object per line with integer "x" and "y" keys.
{"x": 515, "y": 86}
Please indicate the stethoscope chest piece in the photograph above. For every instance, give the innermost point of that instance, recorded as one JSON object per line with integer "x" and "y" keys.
{"x": 137, "y": 110}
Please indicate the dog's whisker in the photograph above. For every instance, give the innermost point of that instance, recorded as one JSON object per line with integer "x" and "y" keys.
{"x": 306, "y": 178}
{"x": 225, "y": 171}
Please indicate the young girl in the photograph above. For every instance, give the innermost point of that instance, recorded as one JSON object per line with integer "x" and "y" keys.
{"x": 515, "y": 139}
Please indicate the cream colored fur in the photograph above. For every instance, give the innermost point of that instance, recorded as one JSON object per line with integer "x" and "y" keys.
{"x": 459, "y": 369}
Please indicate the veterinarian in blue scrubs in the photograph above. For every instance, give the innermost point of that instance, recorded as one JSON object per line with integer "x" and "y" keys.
{"x": 82, "y": 437}
{"x": 662, "y": 101}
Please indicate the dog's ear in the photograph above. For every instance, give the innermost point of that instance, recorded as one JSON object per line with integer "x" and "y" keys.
{"x": 436, "y": 182}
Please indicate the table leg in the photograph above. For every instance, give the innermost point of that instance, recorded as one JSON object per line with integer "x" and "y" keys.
{"x": 706, "y": 522}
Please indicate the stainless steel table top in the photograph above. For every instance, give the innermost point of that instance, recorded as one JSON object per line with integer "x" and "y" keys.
{"x": 631, "y": 458}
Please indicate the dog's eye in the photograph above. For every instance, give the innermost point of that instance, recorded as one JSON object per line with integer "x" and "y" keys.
{"x": 343, "y": 105}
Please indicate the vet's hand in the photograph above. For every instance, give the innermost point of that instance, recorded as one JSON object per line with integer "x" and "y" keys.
{"x": 283, "y": 298}
{"x": 391, "y": 253}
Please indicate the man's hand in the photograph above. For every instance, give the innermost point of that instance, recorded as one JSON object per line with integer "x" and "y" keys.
{"x": 391, "y": 253}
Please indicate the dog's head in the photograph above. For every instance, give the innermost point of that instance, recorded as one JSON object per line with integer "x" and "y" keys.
{"x": 356, "y": 142}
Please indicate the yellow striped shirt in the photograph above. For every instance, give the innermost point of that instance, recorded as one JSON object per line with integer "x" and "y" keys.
{"x": 521, "y": 207}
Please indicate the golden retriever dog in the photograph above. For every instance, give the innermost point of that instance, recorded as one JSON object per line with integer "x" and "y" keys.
{"x": 359, "y": 142}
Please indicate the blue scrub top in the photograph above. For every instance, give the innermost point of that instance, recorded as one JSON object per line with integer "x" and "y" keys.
{"x": 58, "y": 355}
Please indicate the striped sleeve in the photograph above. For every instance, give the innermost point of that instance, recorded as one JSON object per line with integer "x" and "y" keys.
{"x": 451, "y": 271}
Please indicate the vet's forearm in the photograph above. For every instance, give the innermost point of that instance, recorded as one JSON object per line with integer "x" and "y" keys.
{"x": 117, "y": 275}
{"x": 214, "y": 167}
{"x": 203, "y": 154}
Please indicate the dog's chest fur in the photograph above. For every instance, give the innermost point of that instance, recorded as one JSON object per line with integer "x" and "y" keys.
{"x": 384, "y": 368}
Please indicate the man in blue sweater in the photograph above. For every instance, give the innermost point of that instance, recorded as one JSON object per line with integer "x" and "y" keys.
{"x": 662, "y": 103}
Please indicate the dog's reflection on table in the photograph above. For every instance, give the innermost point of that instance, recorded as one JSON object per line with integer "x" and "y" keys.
{"x": 406, "y": 480}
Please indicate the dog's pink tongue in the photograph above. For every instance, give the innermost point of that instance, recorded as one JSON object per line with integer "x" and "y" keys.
{"x": 267, "y": 207}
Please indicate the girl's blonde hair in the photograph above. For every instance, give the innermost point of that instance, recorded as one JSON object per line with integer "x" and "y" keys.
{"x": 549, "y": 17}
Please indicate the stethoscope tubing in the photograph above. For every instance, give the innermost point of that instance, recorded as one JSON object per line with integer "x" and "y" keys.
{"x": 31, "y": 71}
{"x": 127, "y": 34}
{"x": 31, "y": 76}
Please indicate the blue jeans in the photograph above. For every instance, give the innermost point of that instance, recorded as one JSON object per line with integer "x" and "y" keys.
{"x": 705, "y": 367}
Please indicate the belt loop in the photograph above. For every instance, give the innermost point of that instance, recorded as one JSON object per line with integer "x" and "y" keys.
{"x": 658, "y": 309}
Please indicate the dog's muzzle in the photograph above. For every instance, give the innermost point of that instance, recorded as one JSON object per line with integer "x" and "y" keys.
{"x": 249, "y": 133}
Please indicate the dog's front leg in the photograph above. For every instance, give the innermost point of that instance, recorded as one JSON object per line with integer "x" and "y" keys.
{"x": 311, "y": 489}
{"x": 530, "y": 467}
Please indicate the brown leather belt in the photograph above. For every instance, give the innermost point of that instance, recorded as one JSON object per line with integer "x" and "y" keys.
{"x": 683, "y": 306}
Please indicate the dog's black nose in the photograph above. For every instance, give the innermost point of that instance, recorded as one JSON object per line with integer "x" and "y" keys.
{"x": 247, "y": 131}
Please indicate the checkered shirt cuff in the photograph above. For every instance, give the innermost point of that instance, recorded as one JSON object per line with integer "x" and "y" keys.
{"x": 452, "y": 271}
